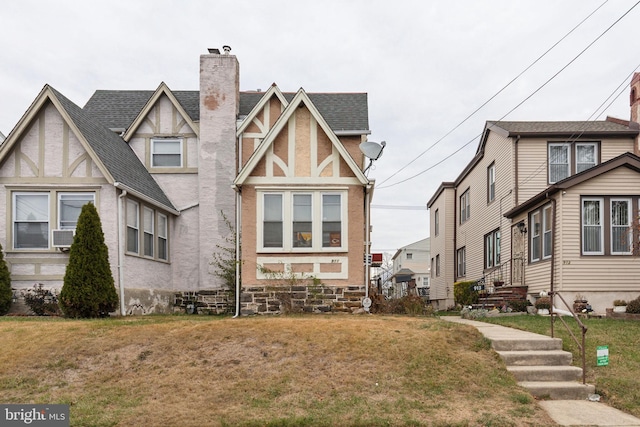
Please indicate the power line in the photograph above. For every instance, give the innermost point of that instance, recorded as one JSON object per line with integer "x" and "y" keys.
{"x": 521, "y": 102}
{"x": 494, "y": 95}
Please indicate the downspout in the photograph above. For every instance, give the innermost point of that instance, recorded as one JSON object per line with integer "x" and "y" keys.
{"x": 121, "y": 240}
{"x": 238, "y": 257}
{"x": 553, "y": 253}
{"x": 367, "y": 235}
{"x": 517, "y": 180}
{"x": 456, "y": 218}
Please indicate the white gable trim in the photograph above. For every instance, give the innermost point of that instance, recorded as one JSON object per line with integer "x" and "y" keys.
{"x": 163, "y": 89}
{"x": 263, "y": 103}
{"x": 284, "y": 120}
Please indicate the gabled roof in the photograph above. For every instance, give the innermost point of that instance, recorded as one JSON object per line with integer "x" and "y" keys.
{"x": 566, "y": 128}
{"x": 163, "y": 90}
{"x": 112, "y": 154}
{"x": 346, "y": 113}
{"x": 273, "y": 91}
{"x": 628, "y": 160}
{"x": 301, "y": 98}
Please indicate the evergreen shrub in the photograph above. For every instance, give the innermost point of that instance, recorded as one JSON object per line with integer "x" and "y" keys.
{"x": 88, "y": 289}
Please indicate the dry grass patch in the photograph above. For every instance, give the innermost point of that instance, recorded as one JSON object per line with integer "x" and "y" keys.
{"x": 284, "y": 371}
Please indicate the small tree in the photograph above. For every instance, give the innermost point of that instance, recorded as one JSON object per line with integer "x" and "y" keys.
{"x": 88, "y": 289}
{"x": 224, "y": 261}
{"x": 5, "y": 285}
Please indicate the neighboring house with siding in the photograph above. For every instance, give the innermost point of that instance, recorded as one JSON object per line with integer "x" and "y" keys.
{"x": 411, "y": 269}
{"x": 544, "y": 204}
{"x": 164, "y": 170}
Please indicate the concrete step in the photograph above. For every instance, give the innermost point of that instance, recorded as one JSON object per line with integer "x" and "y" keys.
{"x": 536, "y": 358}
{"x": 530, "y": 343}
{"x": 546, "y": 373}
{"x": 558, "y": 390}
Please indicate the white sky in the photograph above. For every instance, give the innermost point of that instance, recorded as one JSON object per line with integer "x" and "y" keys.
{"x": 426, "y": 66}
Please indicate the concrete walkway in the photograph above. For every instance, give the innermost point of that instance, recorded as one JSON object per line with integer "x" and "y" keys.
{"x": 563, "y": 412}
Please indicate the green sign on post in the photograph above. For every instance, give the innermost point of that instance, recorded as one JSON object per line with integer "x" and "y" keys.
{"x": 602, "y": 355}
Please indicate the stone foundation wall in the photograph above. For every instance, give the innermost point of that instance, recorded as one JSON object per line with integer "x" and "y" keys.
{"x": 218, "y": 301}
{"x": 300, "y": 299}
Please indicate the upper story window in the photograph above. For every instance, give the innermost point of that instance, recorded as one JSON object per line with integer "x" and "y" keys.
{"x": 491, "y": 182}
{"x": 314, "y": 220}
{"x": 465, "y": 206}
{"x": 436, "y": 220}
{"x": 409, "y": 256}
{"x": 166, "y": 153}
{"x": 33, "y": 219}
{"x": 560, "y": 154}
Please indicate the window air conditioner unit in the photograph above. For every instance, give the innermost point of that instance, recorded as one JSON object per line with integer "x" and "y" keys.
{"x": 62, "y": 238}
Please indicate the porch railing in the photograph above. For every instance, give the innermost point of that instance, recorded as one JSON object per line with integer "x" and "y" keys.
{"x": 581, "y": 345}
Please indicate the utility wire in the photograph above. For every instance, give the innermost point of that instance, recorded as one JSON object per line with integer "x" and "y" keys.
{"x": 521, "y": 102}
{"x": 495, "y": 94}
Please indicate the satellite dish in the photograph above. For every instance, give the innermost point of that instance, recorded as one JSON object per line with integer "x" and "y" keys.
{"x": 372, "y": 150}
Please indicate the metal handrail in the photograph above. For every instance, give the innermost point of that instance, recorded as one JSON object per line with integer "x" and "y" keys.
{"x": 582, "y": 327}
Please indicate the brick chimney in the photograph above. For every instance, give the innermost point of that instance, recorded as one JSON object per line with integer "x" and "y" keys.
{"x": 634, "y": 98}
{"x": 219, "y": 108}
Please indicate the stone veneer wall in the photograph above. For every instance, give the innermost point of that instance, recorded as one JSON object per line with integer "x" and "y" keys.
{"x": 300, "y": 299}
{"x": 217, "y": 301}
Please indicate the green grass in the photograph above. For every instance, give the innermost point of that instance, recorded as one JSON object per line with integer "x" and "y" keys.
{"x": 618, "y": 383}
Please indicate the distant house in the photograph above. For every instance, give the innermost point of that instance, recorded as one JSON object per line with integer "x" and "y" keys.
{"x": 411, "y": 273}
{"x": 165, "y": 168}
{"x": 545, "y": 205}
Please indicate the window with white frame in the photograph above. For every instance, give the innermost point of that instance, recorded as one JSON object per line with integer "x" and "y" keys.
{"x": 492, "y": 249}
{"x": 465, "y": 206}
{"x": 561, "y": 155}
{"x": 491, "y": 182}
{"x": 621, "y": 226}
{"x": 547, "y": 241}
{"x": 133, "y": 226}
{"x": 166, "y": 152}
{"x": 331, "y": 220}
{"x": 462, "y": 261}
{"x": 409, "y": 256}
{"x": 272, "y": 222}
{"x": 148, "y": 232}
{"x": 163, "y": 237}
{"x": 302, "y": 221}
{"x": 586, "y": 156}
{"x": 31, "y": 220}
{"x": 541, "y": 233}
{"x": 302, "y": 216}
{"x": 69, "y": 208}
{"x": 559, "y": 162}
{"x": 592, "y": 229}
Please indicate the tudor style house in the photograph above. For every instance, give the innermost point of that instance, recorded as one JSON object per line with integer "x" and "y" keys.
{"x": 544, "y": 206}
{"x": 166, "y": 169}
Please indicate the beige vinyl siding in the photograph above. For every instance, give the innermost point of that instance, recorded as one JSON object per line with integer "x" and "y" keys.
{"x": 532, "y": 161}
{"x": 442, "y": 245}
{"x": 487, "y": 216}
{"x": 586, "y": 273}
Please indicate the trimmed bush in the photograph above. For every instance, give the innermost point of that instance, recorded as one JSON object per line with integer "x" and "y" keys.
{"x": 88, "y": 289}
{"x": 634, "y": 306}
{"x": 5, "y": 285}
{"x": 43, "y": 302}
{"x": 464, "y": 294}
{"x": 519, "y": 306}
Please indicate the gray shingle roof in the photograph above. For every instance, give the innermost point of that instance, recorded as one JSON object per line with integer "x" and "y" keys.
{"x": 564, "y": 127}
{"x": 116, "y": 155}
{"x": 117, "y": 109}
